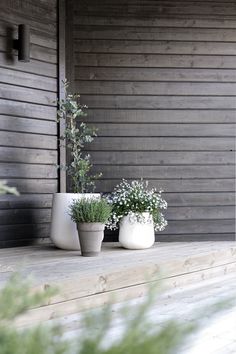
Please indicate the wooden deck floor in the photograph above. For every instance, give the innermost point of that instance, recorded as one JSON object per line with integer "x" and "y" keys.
{"x": 116, "y": 275}
{"x": 215, "y": 333}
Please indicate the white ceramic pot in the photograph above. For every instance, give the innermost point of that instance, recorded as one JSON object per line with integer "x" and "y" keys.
{"x": 136, "y": 235}
{"x": 64, "y": 232}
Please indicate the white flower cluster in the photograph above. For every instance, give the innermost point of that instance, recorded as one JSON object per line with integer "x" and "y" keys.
{"x": 133, "y": 199}
{"x": 162, "y": 223}
{"x": 140, "y": 218}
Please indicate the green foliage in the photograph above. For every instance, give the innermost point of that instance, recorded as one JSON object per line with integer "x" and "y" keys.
{"x": 15, "y": 299}
{"x": 4, "y": 189}
{"x": 139, "y": 336}
{"x": 90, "y": 210}
{"x": 81, "y": 178}
{"x": 76, "y": 135}
{"x": 38, "y": 340}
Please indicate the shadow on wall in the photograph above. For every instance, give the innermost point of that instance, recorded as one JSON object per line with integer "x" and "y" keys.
{"x": 9, "y": 44}
{"x": 18, "y": 220}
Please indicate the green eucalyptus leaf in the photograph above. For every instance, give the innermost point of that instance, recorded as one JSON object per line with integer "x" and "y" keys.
{"x": 76, "y": 134}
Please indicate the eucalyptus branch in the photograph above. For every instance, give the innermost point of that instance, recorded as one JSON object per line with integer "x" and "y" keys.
{"x": 75, "y": 136}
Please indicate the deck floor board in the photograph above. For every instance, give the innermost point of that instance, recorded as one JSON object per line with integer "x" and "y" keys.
{"x": 86, "y": 282}
{"x": 216, "y": 331}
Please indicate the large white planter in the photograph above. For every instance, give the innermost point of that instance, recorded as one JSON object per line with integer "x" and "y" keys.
{"x": 64, "y": 232}
{"x": 136, "y": 235}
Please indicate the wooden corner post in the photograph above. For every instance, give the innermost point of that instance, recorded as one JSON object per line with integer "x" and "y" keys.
{"x": 61, "y": 91}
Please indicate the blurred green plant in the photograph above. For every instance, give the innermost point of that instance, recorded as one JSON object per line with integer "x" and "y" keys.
{"x": 138, "y": 337}
{"x": 5, "y": 189}
{"x": 16, "y": 299}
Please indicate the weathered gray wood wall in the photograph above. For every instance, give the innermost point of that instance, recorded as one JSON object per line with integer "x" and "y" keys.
{"x": 28, "y": 132}
{"x": 159, "y": 78}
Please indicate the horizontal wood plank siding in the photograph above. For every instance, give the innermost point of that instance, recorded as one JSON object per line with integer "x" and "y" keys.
{"x": 159, "y": 80}
{"x": 28, "y": 129}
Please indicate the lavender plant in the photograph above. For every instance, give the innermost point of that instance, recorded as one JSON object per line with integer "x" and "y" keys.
{"x": 75, "y": 136}
{"x": 90, "y": 210}
{"x": 133, "y": 199}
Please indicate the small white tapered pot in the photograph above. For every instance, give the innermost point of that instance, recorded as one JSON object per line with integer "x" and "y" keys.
{"x": 64, "y": 232}
{"x": 136, "y": 235}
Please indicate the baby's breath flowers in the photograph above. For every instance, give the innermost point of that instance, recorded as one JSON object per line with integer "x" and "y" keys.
{"x": 134, "y": 198}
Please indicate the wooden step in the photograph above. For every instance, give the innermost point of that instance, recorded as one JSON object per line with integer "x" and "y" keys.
{"x": 116, "y": 275}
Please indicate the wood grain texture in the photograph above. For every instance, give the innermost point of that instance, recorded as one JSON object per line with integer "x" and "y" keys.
{"x": 24, "y": 216}
{"x": 42, "y": 10}
{"x": 152, "y": 172}
{"x": 12, "y": 92}
{"x": 150, "y": 130}
{"x": 154, "y": 47}
{"x": 160, "y": 116}
{"x": 200, "y": 227}
{"x": 200, "y": 213}
{"x": 33, "y": 67}
{"x": 160, "y": 9}
{"x": 63, "y": 5}
{"x": 119, "y": 274}
{"x": 137, "y": 22}
{"x": 173, "y": 185}
{"x": 199, "y": 199}
{"x": 215, "y": 237}
{"x": 37, "y": 37}
{"x": 20, "y": 170}
{"x": 153, "y": 88}
{"x": 155, "y": 60}
{"x": 26, "y": 232}
{"x": 12, "y": 14}
{"x": 28, "y": 140}
{"x": 159, "y": 80}
{"x": 28, "y": 79}
{"x": 33, "y": 186}
{"x": 27, "y": 125}
{"x": 28, "y": 128}
{"x": 36, "y": 52}
{"x": 159, "y": 102}
{"x": 162, "y": 157}
{"x": 148, "y": 74}
{"x": 163, "y": 143}
{"x": 154, "y": 33}
{"x": 26, "y": 109}
{"x": 28, "y": 155}
{"x": 27, "y": 201}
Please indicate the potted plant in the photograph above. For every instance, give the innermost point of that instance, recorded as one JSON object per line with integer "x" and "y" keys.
{"x": 136, "y": 210}
{"x": 90, "y": 216}
{"x": 76, "y": 134}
